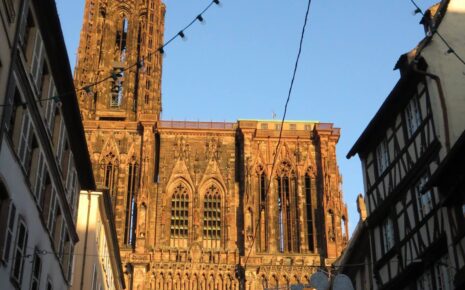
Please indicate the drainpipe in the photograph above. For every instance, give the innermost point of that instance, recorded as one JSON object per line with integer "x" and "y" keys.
{"x": 89, "y": 199}
{"x": 442, "y": 101}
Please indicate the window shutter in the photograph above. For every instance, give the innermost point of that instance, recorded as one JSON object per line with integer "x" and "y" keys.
{"x": 7, "y": 221}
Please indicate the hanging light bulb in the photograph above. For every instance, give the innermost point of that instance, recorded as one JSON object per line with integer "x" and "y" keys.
{"x": 200, "y": 18}
{"x": 450, "y": 50}
{"x": 416, "y": 11}
{"x": 87, "y": 89}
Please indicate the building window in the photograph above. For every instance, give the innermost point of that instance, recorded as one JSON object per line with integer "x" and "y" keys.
{"x": 133, "y": 172}
{"x": 425, "y": 281}
{"x": 439, "y": 276}
{"x": 331, "y": 220}
{"x": 345, "y": 237}
{"x": 212, "y": 218}
{"x": 382, "y": 157}
{"x": 309, "y": 208}
{"x": 116, "y": 96}
{"x": 110, "y": 175}
{"x": 263, "y": 210}
{"x": 424, "y": 200}
{"x": 388, "y": 234}
{"x": 179, "y": 227}
{"x": 50, "y": 109}
{"x": 121, "y": 39}
{"x": 7, "y": 222}
{"x": 412, "y": 116}
{"x": 37, "y": 64}
{"x": 292, "y": 127}
{"x": 287, "y": 210}
{"x": 19, "y": 253}
{"x": 264, "y": 126}
{"x": 27, "y": 36}
{"x": 25, "y": 142}
{"x": 36, "y": 270}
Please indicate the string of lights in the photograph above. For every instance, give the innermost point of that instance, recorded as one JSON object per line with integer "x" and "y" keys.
{"x": 262, "y": 206}
{"x": 139, "y": 64}
{"x": 450, "y": 49}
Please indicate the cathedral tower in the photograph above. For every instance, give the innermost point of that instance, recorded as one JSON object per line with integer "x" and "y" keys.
{"x": 193, "y": 199}
{"x": 118, "y": 50}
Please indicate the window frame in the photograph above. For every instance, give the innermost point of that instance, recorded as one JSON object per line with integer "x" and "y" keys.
{"x": 413, "y": 117}
{"x": 388, "y": 234}
{"x": 19, "y": 252}
{"x": 382, "y": 157}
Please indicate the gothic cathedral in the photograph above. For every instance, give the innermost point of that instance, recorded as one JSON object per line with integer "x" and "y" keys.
{"x": 191, "y": 199}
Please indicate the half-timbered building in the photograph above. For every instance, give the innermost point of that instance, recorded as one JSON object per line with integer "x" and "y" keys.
{"x": 409, "y": 226}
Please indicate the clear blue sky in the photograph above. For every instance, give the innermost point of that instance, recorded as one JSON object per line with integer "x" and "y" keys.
{"x": 239, "y": 63}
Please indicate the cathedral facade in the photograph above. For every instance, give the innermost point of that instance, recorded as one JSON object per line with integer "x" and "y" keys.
{"x": 197, "y": 204}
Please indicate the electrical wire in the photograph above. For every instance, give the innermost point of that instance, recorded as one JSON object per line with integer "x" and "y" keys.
{"x": 281, "y": 129}
{"x": 87, "y": 88}
{"x": 450, "y": 49}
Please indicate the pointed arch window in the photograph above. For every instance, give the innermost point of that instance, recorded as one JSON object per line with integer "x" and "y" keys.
{"x": 331, "y": 220}
{"x": 263, "y": 210}
{"x": 179, "y": 228}
{"x": 110, "y": 175}
{"x": 133, "y": 172}
{"x": 212, "y": 218}
{"x": 121, "y": 38}
{"x": 287, "y": 209}
{"x": 309, "y": 211}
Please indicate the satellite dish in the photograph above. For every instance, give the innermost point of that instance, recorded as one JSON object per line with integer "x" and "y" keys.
{"x": 320, "y": 281}
{"x": 342, "y": 282}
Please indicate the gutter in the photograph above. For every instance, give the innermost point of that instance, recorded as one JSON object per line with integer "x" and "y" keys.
{"x": 442, "y": 101}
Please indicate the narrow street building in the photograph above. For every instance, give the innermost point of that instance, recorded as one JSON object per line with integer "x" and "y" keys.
{"x": 415, "y": 234}
{"x": 43, "y": 154}
{"x": 97, "y": 260}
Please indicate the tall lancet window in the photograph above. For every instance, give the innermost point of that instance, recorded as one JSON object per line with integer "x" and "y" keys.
{"x": 262, "y": 209}
{"x": 212, "y": 218}
{"x": 121, "y": 38}
{"x": 133, "y": 172}
{"x": 109, "y": 177}
{"x": 179, "y": 228}
{"x": 288, "y": 231}
{"x": 309, "y": 212}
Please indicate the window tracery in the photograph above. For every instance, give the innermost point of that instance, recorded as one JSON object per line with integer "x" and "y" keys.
{"x": 212, "y": 218}
{"x": 263, "y": 209}
{"x": 109, "y": 177}
{"x": 309, "y": 211}
{"x": 133, "y": 171}
{"x": 179, "y": 228}
{"x": 287, "y": 209}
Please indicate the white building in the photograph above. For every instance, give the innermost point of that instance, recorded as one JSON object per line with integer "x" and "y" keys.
{"x": 97, "y": 259}
{"x": 43, "y": 154}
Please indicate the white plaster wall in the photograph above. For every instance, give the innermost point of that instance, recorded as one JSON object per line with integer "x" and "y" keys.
{"x": 37, "y": 233}
{"x": 450, "y": 70}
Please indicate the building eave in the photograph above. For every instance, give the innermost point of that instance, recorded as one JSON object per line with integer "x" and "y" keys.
{"x": 384, "y": 115}
{"x": 49, "y": 21}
